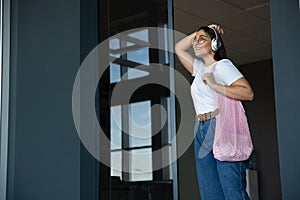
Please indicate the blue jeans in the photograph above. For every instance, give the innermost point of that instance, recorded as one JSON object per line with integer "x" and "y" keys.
{"x": 218, "y": 180}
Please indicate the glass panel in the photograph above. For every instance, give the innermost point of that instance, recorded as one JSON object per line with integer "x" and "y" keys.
{"x": 132, "y": 128}
{"x": 141, "y": 35}
{"x": 114, "y": 44}
{"x": 140, "y": 124}
{"x": 116, "y": 127}
{"x": 115, "y": 70}
{"x": 168, "y": 157}
{"x": 129, "y": 44}
{"x": 141, "y": 161}
{"x": 115, "y": 73}
{"x": 135, "y": 73}
{"x": 116, "y": 164}
{"x": 170, "y": 134}
{"x": 141, "y": 55}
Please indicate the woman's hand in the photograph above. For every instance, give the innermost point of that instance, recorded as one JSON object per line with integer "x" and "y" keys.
{"x": 209, "y": 79}
{"x": 217, "y": 28}
{"x": 181, "y": 48}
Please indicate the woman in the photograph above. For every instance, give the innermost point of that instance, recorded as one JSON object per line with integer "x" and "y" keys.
{"x": 213, "y": 72}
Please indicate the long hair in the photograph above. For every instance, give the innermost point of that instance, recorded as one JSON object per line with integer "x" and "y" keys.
{"x": 221, "y": 52}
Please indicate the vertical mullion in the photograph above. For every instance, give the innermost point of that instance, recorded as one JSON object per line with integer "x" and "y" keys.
{"x": 125, "y": 142}
{"x": 125, "y": 121}
{"x": 5, "y": 74}
{"x": 172, "y": 116}
{"x": 104, "y": 106}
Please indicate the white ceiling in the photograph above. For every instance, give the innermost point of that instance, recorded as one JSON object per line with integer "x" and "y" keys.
{"x": 246, "y": 24}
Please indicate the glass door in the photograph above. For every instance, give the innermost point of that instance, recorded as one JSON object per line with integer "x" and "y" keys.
{"x": 142, "y": 114}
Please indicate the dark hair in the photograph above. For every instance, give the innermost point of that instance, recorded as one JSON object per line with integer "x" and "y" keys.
{"x": 221, "y": 52}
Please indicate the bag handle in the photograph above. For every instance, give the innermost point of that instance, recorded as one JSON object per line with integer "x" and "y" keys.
{"x": 214, "y": 67}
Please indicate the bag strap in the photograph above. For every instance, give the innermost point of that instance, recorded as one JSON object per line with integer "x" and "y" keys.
{"x": 214, "y": 67}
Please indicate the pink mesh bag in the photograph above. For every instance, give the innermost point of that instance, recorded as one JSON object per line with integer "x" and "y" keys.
{"x": 232, "y": 140}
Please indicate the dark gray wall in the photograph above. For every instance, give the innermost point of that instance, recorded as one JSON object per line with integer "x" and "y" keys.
{"x": 262, "y": 120}
{"x": 187, "y": 176}
{"x": 44, "y": 151}
{"x": 285, "y": 20}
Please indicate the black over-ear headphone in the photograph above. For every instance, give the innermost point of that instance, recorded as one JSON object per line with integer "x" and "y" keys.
{"x": 215, "y": 43}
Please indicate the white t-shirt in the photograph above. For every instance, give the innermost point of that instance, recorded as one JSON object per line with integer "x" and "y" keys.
{"x": 203, "y": 96}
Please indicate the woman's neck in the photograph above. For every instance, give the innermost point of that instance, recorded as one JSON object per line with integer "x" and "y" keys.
{"x": 209, "y": 61}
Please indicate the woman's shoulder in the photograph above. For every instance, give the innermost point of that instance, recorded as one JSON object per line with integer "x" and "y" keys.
{"x": 225, "y": 61}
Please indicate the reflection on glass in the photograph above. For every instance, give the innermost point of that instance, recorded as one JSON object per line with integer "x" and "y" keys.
{"x": 140, "y": 35}
{"x": 169, "y": 158}
{"x": 141, "y": 165}
{"x": 116, "y": 127}
{"x": 114, "y": 44}
{"x": 115, "y": 73}
{"x": 115, "y": 69}
{"x": 140, "y": 124}
{"x": 139, "y": 55}
{"x": 131, "y": 50}
{"x": 136, "y": 73}
{"x": 116, "y": 164}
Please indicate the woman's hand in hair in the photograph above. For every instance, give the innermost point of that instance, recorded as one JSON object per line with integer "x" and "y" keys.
{"x": 217, "y": 28}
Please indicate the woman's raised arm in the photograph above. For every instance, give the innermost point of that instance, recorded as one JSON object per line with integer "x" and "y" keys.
{"x": 181, "y": 50}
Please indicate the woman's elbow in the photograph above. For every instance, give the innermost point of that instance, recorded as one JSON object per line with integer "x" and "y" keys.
{"x": 250, "y": 96}
{"x": 177, "y": 48}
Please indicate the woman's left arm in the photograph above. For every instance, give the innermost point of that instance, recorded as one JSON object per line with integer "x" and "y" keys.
{"x": 240, "y": 89}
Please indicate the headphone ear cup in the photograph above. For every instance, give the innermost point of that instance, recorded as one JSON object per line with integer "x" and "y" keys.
{"x": 214, "y": 45}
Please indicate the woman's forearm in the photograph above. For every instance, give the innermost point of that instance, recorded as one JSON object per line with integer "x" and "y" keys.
{"x": 185, "y": 43}
{"x": 181, "y": 50}
{"x": 239, "y": 89}
{"x": 239, "y": 92}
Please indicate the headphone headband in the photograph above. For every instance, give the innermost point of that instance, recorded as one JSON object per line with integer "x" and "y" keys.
{"x": 215, "y": 43}
{"x": 216, "y": 34}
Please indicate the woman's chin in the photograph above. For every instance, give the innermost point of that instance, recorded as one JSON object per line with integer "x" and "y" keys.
{"x": 198, "y": 55}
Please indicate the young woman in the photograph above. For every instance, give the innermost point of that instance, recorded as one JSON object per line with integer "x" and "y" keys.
{"x": 213, "y": 72}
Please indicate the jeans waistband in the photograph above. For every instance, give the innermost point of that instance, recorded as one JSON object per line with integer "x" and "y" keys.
{"x": 207, "y": 116}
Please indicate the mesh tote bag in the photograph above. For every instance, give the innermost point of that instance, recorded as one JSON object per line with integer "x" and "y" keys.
{"x": 232, "y": 140}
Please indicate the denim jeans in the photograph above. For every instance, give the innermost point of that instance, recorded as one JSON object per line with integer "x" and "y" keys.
{"x": 218, "y": 180}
